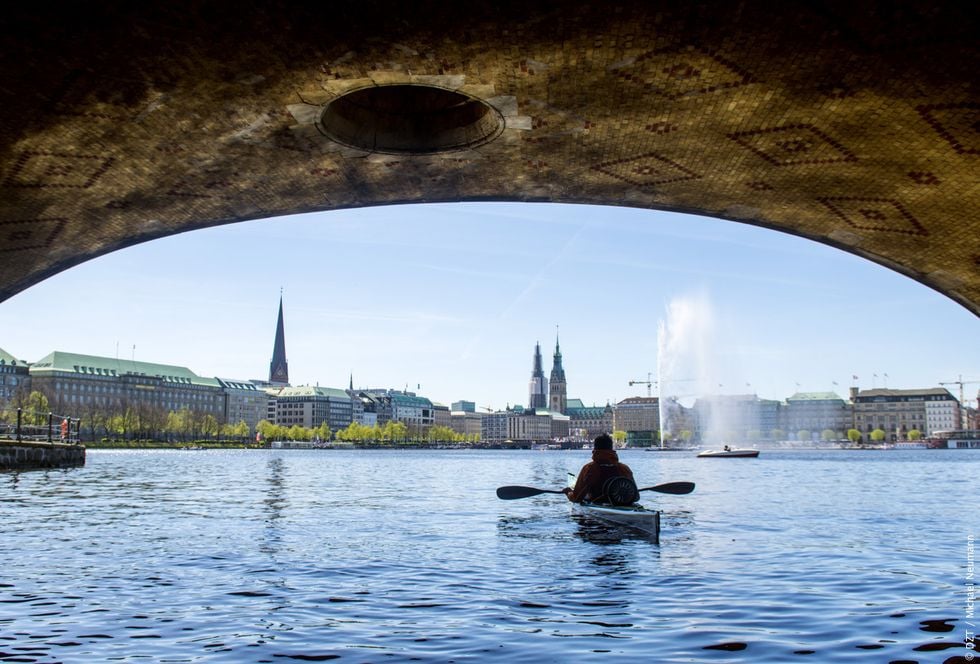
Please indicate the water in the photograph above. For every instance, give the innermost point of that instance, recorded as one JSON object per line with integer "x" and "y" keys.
{"x": 374, "y": 556}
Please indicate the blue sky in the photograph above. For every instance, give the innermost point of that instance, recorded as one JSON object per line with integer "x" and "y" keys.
{"x": 452, "y": 298}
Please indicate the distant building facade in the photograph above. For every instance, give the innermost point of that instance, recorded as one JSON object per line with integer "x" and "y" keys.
{"x": 310, "y": 407}
{"x": 816, "y": 412}
{"x": 441, "y": 416}
{"x": 729, "y": 418}
{"x": 14, "y": 377}
{"x": 639, "y": 418}
{"x": 84, "y": 384}
{"x": 587, "y": 422}
{"x": 416, "y": 412}
{"x": 244, "y": 402}
{"x": 523, "y": 427}
{"x": 896, "y": 412}
{"x": 468, "y": 423}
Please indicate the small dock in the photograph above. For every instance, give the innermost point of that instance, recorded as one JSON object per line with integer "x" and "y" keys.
{"x": 36, "y": 441}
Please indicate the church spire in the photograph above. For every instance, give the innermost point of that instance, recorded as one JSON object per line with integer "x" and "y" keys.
{"x": 537, "y": 395}
{"x": 557, "y": 387}
{"x": 278, "y": 368}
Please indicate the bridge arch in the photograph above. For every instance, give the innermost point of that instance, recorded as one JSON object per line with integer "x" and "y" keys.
{"x": 853, "y": 124}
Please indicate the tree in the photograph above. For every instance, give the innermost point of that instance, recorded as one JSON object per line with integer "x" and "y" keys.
{"x": 396, "y": 431}
{"x": 914, "y": 434}
{"x": 323, "y": 432}
{"x": 828, "y": 435}
{"x": 38, "y": 407}
{"x": 853, "y": 435}
{"x": 441, "y": 434}
{"x": 777, "y": 434}
{"x": 877, "y": 435}
{"x": 619, "y": 437}
{"x": 803, "y": 435}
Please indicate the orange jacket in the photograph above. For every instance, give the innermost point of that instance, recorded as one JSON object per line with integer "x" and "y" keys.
{"x": 604, "y": 464}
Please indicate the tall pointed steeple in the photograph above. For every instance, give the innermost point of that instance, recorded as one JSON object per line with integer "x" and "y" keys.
{"x": 557, "y": 387}
{"x": 537, "y": 397}
{"x": 278, "y": 368}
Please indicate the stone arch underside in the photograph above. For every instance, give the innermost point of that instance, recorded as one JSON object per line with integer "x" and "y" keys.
{"x": 856, "y": 124}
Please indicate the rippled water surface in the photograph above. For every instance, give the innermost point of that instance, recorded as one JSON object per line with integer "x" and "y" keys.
{"x": 372, "y": 556}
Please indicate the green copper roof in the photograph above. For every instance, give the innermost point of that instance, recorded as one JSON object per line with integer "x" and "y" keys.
{"x": 409, "y": 401}
{"x": 308, "y": 391}
{"x": 7, "y": 358}
{"x": 814, "y": 396}
{"x": 587, "y": 412}
{"x": 574, "y": 403}
{"x": 93, "y": 365}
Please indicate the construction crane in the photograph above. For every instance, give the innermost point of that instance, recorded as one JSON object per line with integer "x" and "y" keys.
{"x": 649, "y": 383}
{"x": 961, "y": 383}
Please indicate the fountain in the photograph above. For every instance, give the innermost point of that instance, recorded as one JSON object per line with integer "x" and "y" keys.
{"x": 689, "y": 365}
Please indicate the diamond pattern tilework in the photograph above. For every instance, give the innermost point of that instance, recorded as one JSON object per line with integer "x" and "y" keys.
{"x": 20, "y": 235}
{"x": 874, "y": 214}
{"x": 793, "y": 145}
{"x": 817, "y": 117}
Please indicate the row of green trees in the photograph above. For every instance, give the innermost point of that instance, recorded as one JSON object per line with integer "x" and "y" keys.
{"x": 129, "y": 421}
{"x": 389, "y": 432}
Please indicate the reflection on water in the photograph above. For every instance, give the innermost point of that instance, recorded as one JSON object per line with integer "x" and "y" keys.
{"x": 267, "y": 556}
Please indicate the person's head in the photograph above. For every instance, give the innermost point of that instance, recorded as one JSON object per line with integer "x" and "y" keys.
{"x": 603, "y": 442}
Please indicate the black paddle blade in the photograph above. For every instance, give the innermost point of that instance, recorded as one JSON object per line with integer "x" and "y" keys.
{"x": 515, "y": 492}
{"x": 676, "y": 488}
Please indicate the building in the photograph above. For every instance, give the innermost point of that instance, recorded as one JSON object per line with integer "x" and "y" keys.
{"x": 14, "y": 377}
{"x": 771, "y": 426}
{"x": 557, "y": 387}
{"x": 310, "y": 407}
{"x": 463, "y": 406}
{"x": 587, "y": 422}
{"x": 537, "y": 391}
{"x": 467, "y": 422}
{"x": 523, "y": 427}
{"x": 896, "y": 412}
{"x": 278, "y": 367}
{"x": 728, "y": 418}
{"x": 244, "y": 402}
{"x": 639, "y": 417}
{"x": 417, "y": 413}
{"x": 414, "y": 411}
{"x": 88, "y": 384}
{"x": 441, "y": 415}
{"x": 816, "y": 412}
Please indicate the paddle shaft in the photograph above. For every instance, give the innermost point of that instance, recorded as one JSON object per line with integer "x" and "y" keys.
{"x": 516, "y": 492}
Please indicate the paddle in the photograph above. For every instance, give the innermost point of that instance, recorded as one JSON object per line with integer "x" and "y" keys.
{"x": 515, "y": 492}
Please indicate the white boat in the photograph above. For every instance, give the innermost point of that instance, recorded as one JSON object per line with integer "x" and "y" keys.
{"x": 729, "y": 452}
{"x": 634, "y": 516}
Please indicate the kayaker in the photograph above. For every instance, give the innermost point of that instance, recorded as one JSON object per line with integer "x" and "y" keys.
{"x": 605, "y": 465}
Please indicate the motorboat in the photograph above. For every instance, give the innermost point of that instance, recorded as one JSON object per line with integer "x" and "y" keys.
{"x": 728, "y": 451}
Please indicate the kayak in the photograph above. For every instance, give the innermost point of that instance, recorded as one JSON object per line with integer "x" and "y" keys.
{"x": 729, "y": 453}
{"x": 634, "y": 516}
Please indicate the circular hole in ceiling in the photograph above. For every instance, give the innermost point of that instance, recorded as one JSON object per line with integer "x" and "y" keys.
{"x": 412, "y": 119}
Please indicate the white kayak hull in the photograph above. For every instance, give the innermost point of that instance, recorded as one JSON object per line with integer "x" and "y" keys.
{"x": 635, "y": 515}
{"x": 728, "y": 453}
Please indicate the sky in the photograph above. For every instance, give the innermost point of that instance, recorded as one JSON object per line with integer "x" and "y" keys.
{"x": 448, "y": 300}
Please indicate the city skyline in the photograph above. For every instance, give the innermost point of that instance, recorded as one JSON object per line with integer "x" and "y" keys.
{"x": 446, "y": 299}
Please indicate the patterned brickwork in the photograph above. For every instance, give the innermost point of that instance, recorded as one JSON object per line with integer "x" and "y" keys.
{"x": 823, "y": 118}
